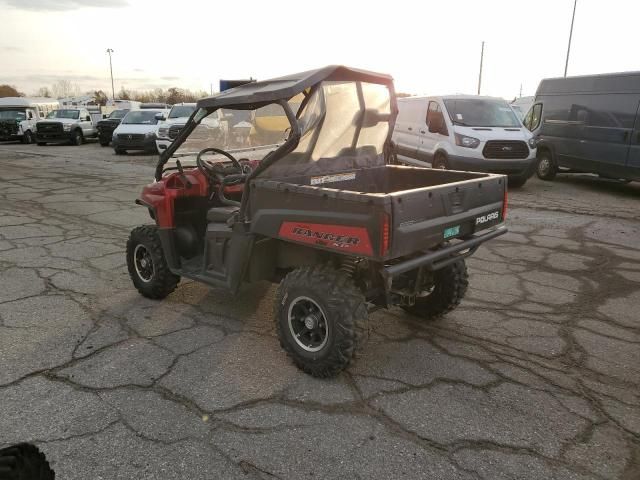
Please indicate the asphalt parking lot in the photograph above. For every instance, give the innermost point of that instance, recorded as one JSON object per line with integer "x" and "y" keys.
{"x": 535, "y": 376}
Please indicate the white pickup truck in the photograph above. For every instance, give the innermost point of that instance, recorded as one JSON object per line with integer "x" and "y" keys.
{"x": 66, "y": 125}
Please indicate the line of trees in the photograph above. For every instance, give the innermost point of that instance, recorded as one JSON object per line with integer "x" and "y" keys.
{"x": 64, "y": 88}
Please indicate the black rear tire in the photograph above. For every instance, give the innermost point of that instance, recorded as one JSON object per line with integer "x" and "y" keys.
{"x": 450, "y": 287}
{"x": 120, "y": 151}
{"x": 546, "y": 168}
{"x": 147, "y": 266}
{"x": 24, "y": 461}
{"x": 338, "y": 313}
{"x": 42, "y": 144}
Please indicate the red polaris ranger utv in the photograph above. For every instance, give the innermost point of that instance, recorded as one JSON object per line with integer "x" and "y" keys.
{"x": 325, "y": 212}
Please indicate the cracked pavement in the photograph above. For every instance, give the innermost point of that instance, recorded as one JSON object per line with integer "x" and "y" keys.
{"x": 535, "y": 376}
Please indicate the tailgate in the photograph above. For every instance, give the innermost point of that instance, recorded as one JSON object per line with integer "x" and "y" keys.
{"x": 426, "y": 217}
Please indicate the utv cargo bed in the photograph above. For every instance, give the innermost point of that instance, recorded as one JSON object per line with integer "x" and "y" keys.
{"x": 422, "y": 207}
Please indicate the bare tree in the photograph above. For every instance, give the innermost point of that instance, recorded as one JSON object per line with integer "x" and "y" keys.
{"x": 43, "y": 92}
{"x": 62, "y": 88}
{"x": 99, "y": 97}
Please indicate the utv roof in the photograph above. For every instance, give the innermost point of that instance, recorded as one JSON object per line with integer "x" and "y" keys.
{"x": 257, "y": 94}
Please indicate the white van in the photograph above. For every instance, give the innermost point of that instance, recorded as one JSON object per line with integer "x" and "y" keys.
{"x": 464, "y": 132}
{"x": 18, "y": 117}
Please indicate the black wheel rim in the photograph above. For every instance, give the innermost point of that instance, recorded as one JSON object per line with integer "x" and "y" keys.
{"x": 143, "y": 263}
{"x": 308, "y": 324}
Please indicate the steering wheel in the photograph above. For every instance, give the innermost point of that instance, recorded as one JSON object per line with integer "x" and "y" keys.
{"x": 217, "y": 173}
{"x": 210, "y": 170}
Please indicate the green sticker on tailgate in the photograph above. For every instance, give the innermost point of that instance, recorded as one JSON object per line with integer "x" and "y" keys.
{"x": 451, "y": 231}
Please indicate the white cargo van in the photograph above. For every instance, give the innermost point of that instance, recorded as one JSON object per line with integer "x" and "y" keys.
{"x": 464, "y": 132}
{"x": 18, "y": 117}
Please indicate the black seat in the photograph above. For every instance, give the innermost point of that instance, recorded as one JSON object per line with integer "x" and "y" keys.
{"x": 221, "y": 214}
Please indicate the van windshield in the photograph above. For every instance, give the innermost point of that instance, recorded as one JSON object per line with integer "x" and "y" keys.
{"x": 481, "y": 112}
{"x": 12, "y": 115}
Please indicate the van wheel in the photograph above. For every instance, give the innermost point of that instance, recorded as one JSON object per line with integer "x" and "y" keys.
{"x": 120, "y": 151}
{"x": 42, "y": 144}
{"x": 27, "y": 138}
{"x": 77, "y": 138}
{"x": 449, "y": 288}
{"x": 546, "y": 168}
{"x": 321, "y": 319}
{"x": 440, "y": 162}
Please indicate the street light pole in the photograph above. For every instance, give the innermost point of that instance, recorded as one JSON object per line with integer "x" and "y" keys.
{"x": 113, "y": 91}
{"x": 566, "y": 63}
{"x": 480, "y": 74}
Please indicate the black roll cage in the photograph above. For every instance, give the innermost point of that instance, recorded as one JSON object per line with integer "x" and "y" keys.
{"x": 313, "y": 81}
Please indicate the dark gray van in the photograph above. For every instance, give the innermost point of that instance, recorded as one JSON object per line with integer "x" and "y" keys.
{"x": 588, "y": 124}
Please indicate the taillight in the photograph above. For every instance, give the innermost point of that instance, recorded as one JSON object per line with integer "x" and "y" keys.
{"x": 385, "y": 234}
{"x": 504, "y": 204}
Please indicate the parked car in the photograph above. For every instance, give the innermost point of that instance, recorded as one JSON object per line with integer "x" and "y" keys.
{"x": 108, "y": 125}
{"x": 137, "y": 131}
{"x": 18, "y": 117}
{"x": 462, "y": 132}
{"x": 168, "y": 129}
{"x": 66, "y": 125}
{"x": 588, "y": 124}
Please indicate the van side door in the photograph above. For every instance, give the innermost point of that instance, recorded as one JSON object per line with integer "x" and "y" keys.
{"x": 633, "y": 156}
{"x": 406, "y": 129}
{"x": 608, "y": 127}
{"x": 432, "y": 131}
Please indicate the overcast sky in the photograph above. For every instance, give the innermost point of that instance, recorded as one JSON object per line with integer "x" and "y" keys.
{"x": 428, "y": 47}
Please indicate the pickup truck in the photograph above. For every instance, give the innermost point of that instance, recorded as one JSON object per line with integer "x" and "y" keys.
{"x": 72, "y": 125}
{"x": 325, "y": 213}
{"x": 107, "y": 125}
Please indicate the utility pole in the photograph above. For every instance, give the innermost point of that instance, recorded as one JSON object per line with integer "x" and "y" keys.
{"x": 113, "y": 90}
{"x": 520, "y": 90}
{"x": 480, "y": 74}
{"x": 566, "y": 63}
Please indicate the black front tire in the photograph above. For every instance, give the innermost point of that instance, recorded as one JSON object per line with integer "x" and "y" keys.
{"x": 120, "y": 151}
{"x": 77, "y": 138}
{"x": 42, "y": 144}
{"x": 440, "y": 162}
{"x": 24, "y": 461}
{"x": 517, "y": 181}
{"x": 147, "y": 266}
{"x": 450, "y": 287}
{"x": 546, "y": 167}
{"x": 27, "y": 138}
{"x": 342, "y": 310}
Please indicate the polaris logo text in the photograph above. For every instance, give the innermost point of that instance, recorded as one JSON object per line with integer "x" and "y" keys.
{"x": 487, "y": 218}
{"x": 338, "y": 240}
